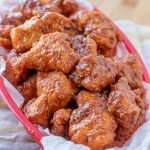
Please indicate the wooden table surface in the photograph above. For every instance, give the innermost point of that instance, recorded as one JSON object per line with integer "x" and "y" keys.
{"x": 136, "y": 10}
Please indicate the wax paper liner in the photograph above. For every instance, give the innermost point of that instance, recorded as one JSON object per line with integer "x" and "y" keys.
{"x": 140, "y": 139}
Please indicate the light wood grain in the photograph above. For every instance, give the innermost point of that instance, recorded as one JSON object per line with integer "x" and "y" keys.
{"x": 136, "y": 10}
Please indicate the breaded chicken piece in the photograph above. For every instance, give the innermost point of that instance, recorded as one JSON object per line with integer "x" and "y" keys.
{"x": 24, "y": 36}
{"x": 54, "y": 92}
{"x": 60, "y": 123}
{"x": 6, "y": 43}
{"x": 30, "y": 7}
{"x": 13, "y": 18}
{"x": 140, "y": 97}
{"x": 94, "y": 73}
{"x": 58, "y": 88}
{"x": 5, "y": 36}
{"x": 89, "y": 124}
{"x": 130, "y": 67}
{"x": 37, "y": 111}
{"x": 84, "y": 46}
{"x": 95, "y": 25}
{"x": 127, "y": 106}
{"x": 68, "y": 7}
{"x": 5, "y": 31}
{"x": 43, "y": 2}
{"x": 10, "y": 73}
{"x": 28, "y": 88}
{"x": 52, "y": 52}
{"x": 122, "y": 104}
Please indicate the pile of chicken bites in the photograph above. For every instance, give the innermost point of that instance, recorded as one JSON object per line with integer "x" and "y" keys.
{"x": 61, "y": 58}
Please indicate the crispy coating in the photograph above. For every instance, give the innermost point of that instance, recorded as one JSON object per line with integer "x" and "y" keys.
{"x": 89, "y": 124}
{"x": 122, "y": 104}
{"x": 30, "y": 7}
{"x": 131, "y": 68}
{"x": 54, "y": 92}
{"x": 24, "y": 36}
{"x": 84, "y": 46}
{"x": 60, "y": 123}
{"x": 6, "y": 43}
{"x": 98, "y": 27}
{"x": 128, "y": 108}
{"x": 37, "y": 111}
{"x": 5, "y": 36}
{"x": 43, "y": 2}
{"x": 94, "y": 73}
{"x": 52, "y": 52}
{"x": 13, "y": 18}
{"x": 140, "y": 96}
{"x": 57, "y": 87}
{"x": 10, "y": 73}
{"x": 5, "y": 31}
{"x": 28, "y": 88}
{"x": 68, "y": 7}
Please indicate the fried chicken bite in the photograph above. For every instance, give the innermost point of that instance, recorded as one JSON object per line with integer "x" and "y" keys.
{"x": 94, "y": 73}
{"x": 5, "y": 36}
{"x": 127, "y": 108}
{"x": 24, "y": 36}
{"x": 28, "y": 88}
{"x": 43, "y": 2}
{"x": 89, "y": 124}
{"x": 52, "y": 52}
{"x": 30, "y": 7}
{"x": 68, "y": 7}
{"x": 54, "y": 91}
{"x": 122, "y": 104}
{"x": 38, "y": 111}
{"x": 6, "y": 43}
{"x": 60, "y": 123}
{"x": 13, "y": 18}
{"x": 58, "y": 88}
{"x": 84, "y": 46}
{"x": 95, "y": 25}
{"x": 140, "y": 94}
{"x": 5, "y": 31}
{"x": 130, "y": 67}
{"x": 10, "y": 74}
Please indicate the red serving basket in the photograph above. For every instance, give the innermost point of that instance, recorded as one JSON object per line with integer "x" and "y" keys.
{"x": 30, "y": 128}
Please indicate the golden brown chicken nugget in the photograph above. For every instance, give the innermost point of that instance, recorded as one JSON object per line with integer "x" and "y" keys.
{"x": 84, "y": 45}
{"x": 10, "y": 73}
{"x": 68, "y": 7}
{"x": 30, "y": 7}
{"x": 28, "y": 88}
{"x": 89, "y": 124}
{"x": 128, "y": 108}
{"x": 95, "y": 25}
{"x": 38, "y": 111}
{"x": 122, "y": 104}
{"x": 52, "y": 52}
{"x": 94, "y": 73}
{"x": 5, "y": 36}
{"x": 13, "y": 18}
{"x": 6, "y": 43}
{"x": 130, "y": 67}
{"x": 60, "y": 123}
{"x": 58, "y": 88}
{"x": 5, "y": 31}
{"x": 24, "y": 36}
